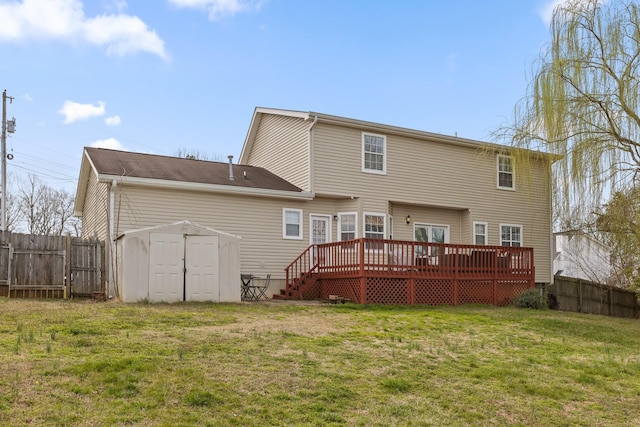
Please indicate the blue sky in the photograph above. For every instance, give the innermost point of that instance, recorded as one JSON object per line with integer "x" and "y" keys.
{"x": 163, "y": 75}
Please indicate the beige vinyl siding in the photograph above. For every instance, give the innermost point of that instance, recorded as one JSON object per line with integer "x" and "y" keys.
{"x": 427, "y": 174}
{"x": 95, "y": 211}
{"x": 262, "y": 248}
{"x": 281, "y": 146}
{"x": 455, "y": 219}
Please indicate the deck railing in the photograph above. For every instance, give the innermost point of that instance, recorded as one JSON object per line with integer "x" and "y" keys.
{"x": 404, "y": 258}
{"x": 413, "y": 262}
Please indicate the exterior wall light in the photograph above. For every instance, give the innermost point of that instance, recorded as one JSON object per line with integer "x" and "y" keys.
{"x": 408, "y": 219}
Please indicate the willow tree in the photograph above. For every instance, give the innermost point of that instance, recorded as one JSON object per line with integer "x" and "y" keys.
{"x": 582, "y": 103}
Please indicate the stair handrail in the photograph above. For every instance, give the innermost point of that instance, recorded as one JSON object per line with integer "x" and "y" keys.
{"x": 298, "y": 263}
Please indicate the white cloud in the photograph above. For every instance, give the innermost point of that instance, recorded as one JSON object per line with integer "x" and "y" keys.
{"x": 111, "y": 143}
{"x": 118, "y": 5}
{"x": 220, "y": 8}
{"x": 73, "y": 111}
{"x": 546, "y": 11}
{"x": 112, "y": 121}
{"x": 65, "y": 20}
{"x": 27, "y": 97}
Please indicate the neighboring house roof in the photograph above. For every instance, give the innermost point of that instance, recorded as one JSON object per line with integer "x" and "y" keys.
{"x": 314, "y": 117}
{"x": 175, "y": 172}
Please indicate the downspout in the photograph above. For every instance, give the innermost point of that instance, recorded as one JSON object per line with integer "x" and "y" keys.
{"x": 112, "y": 237}
{"x": 310, "y": 163}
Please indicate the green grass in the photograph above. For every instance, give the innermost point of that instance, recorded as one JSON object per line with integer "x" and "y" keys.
{"x": 86, "y": 364}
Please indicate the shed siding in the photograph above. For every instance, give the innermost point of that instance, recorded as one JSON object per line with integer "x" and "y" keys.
{"x": 95, "y": 213}
{"x": 281, "y": 146}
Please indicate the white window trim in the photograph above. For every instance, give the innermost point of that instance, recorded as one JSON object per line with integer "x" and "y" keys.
{"x": 329, "y": 231}
{"x": 339, "y": 232}
{"x": 384, "y": 223}
{"x": 513, "y": 173}
{"x": 424, "y": 224}
{"x": 486, "y": 231}
{"x": 284, "y": 224}
{"x": 384, "y": 154}
{"x": 512, "y": 225}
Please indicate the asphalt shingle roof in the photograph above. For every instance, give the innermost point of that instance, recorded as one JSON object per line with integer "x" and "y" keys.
{"x": 151, "y": 166}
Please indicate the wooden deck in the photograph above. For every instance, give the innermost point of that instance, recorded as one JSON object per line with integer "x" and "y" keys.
{"x": 371, "y": 271}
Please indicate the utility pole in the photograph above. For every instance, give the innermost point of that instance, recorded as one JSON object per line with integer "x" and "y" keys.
{"x": 11, "y": 128}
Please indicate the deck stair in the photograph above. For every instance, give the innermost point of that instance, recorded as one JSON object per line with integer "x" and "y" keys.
{"x": 301, "y": 275}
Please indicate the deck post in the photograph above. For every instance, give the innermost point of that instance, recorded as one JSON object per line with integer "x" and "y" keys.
{"x": 363, "y": 279}
{"x": 454, "y": 288}
{"x": 412, "y": 283}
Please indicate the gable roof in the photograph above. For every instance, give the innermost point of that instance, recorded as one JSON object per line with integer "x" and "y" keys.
{"x": 314, "y": 117}
{"x": 154, "y": 170}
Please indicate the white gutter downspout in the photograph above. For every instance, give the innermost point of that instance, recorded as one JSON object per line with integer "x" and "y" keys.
{"x": 309, "y": 165}
{"x": 112, "y": 237}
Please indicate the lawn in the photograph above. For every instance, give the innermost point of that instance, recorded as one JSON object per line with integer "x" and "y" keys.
{"x": 278, "y": 364}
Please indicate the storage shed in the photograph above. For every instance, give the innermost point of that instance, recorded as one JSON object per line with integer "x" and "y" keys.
{"x": 178, "y": 262}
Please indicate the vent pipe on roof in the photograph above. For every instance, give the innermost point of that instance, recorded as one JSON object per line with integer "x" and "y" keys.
{"x": 230, "y": 167}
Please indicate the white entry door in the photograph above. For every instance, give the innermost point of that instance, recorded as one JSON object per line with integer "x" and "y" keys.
{"x": 201, "y": 263}
{"x": 166, "y": 267}
{"x": 320, "y": 232}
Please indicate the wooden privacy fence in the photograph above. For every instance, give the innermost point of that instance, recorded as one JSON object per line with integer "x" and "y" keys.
{"x": 588, "y": 297}
{"x": 34, "y": 266}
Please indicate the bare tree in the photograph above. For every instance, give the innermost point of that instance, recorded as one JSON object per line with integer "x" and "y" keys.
{"x": 45, "y": 210}
{"x": 197, "y": 155}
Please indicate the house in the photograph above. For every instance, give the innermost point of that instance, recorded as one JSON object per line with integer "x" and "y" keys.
{"x": 580, "y": 256}
{"x": 306, "y": 178}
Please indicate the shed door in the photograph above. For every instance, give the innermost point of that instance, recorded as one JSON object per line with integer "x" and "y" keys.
{"x": 166, "y": 267}
{"x": 202, "y": 278}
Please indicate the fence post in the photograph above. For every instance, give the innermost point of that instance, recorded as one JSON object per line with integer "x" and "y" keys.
{"x": 579, "y": 296}
{"x": 67, "y": 268}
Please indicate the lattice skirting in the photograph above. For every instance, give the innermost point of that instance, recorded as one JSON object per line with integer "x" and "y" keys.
{"x": 313, "y": 292}
{"x": 344, "y": 288}
{"x": 385, "y": 290}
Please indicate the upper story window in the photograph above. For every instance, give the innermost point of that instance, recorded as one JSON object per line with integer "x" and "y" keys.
{"x": 291, "y": 223}
{"x": 506, "y": 173}
{"x": 510, "y": 235}
{"x": 347, "y": 226}
{"x": 374, "y": 158}
{"x": 480, "y": 233}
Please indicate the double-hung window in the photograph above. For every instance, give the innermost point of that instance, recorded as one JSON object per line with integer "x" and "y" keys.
{"x": 374, "y": 228}
{"x": 292, "y": 223}
{"x": 506, "y": 174}
{"x": 510, "y": 235}
{"x": 480, "y": 233}
{"x": 374, "y": 156}
{"x": 347, "y": 226}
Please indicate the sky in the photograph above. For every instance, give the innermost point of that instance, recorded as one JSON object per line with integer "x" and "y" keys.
{"x": 163, "y": 76}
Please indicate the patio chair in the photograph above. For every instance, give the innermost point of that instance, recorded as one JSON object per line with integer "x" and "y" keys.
{"x": 261, "y": 291}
